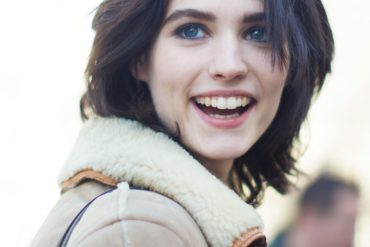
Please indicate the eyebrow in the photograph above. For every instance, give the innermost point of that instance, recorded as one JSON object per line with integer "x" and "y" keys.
{"x": 193, "y": 13}
{"x": 190, "y": 13}
{"x": 255, "y": 17}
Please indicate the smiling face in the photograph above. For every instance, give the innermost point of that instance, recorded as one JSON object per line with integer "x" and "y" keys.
{"x": 209, "y": 72}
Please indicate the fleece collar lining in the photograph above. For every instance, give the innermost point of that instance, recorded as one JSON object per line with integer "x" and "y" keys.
{"x": 127, "y": 151}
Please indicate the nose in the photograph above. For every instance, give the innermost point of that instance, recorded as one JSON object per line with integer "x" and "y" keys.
{"x": 227, "y": 63}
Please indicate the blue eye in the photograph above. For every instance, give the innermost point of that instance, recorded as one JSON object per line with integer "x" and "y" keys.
{"x": 191, "y": 31}
{"x": 257, "y": 34}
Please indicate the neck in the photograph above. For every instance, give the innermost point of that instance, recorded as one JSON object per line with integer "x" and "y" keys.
{"x": 221, "y": 169}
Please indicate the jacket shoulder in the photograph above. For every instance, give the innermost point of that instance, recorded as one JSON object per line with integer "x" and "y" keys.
{"x": 62, "y": 213}
{"x": 130, "y": 217}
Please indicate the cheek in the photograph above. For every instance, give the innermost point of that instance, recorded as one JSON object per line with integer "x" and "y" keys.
{"x": 272, "y": 82}
{"x": 162, "y": 96}
{"x": 167, "y": 57}
{"x": 271, "y": 79}
{"x": 170, "y": 79}
{"x": 272, "y": 88}
{"x": 178, "y": 63}
{"x": 169, "y": 73}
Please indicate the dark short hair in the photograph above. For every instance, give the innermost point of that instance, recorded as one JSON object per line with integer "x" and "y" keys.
{"x": 321, "y": 193}
{"x": 301, "y": 38}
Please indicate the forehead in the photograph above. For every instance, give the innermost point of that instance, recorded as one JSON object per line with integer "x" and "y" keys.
{"x": 219, "y": 8}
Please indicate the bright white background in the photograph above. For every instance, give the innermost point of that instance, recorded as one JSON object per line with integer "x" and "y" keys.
{"x": 44, "y": 46}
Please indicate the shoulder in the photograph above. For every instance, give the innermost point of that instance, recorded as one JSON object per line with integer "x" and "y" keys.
{"x": 130, "y": 217}
{"x": 60, "y": 216}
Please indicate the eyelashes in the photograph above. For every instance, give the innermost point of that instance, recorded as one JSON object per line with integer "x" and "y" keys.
{"x": 257, "y": 33}
{"x": 197, "y": 31}
{"x": 192, "y": 31}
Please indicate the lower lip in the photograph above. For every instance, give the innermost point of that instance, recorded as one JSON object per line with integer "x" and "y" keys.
{"x": 224, "y": 123}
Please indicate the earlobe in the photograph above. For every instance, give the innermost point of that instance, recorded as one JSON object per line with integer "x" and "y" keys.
{"x": 139, "y": 70}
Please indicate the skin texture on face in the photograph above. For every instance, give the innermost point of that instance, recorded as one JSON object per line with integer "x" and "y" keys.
{"x": 213, "y": 48}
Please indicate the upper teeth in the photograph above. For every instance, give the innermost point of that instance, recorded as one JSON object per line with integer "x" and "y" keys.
{"x": 223, "y": 103}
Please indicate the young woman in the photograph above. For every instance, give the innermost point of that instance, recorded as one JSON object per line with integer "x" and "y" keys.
{"x": 193, "y": 107}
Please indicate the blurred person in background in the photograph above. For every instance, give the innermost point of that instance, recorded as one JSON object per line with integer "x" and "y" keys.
{"x": 326, "y": 218}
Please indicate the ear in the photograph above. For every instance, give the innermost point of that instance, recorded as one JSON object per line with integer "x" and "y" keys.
{"x": 139, "y": 69}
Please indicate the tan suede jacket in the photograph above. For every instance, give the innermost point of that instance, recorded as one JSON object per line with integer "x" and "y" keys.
{"x": 181, "y": 203}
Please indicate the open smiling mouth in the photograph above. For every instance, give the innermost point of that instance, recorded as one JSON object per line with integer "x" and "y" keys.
{"x": 224, "y": 108}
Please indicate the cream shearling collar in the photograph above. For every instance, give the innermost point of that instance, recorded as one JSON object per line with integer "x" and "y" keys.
{"x": 128, "y": 151}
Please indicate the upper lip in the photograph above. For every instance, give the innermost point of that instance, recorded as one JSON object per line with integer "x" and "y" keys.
{"x": 225, "y": 93}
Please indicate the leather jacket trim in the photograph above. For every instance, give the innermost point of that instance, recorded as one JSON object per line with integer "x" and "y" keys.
{"x": 251, "y": 238}
{"x": 87, "y": 174}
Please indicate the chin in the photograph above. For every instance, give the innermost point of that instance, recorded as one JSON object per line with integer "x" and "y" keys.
{"x": 224, "y": 153}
